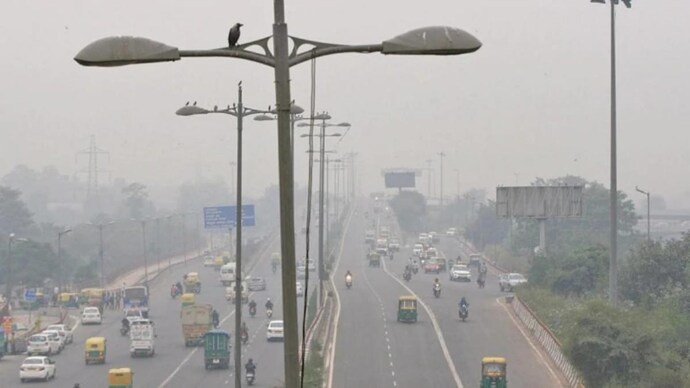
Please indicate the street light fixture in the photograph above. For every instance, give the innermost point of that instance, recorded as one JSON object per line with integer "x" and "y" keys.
{"x": 649, "y": 236}
{"x": 613, "y": 195}
{"x": 60, "y": 269}
{"x": 239, "y": 111}
{"x": 119, "y": 51}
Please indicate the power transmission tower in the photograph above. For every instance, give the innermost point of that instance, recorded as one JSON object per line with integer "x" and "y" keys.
{"x": 93, "y": 171}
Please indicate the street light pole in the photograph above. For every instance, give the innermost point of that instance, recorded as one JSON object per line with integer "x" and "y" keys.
{"x": 441, "y": 155}
{"x": 60, "y": 272}
{"x": 8, "y": 286}
{"x": 649, "y": 235}
{"x": 146, "y": 262}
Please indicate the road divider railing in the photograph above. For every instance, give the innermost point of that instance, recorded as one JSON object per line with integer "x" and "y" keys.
{"x": 538, "y": 329}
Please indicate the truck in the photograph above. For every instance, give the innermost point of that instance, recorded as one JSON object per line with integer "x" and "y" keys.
{"x": 196, "y": 321}
{"x": 142, "y": 336}
{"x": 137, "y": 297}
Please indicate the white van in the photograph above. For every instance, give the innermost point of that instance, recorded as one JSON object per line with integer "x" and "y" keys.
{"x": 227, "y": 274}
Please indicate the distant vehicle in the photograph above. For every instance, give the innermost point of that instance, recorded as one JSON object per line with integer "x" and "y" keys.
{"x": 301, "y": 272}
{"x": 227, "y": 274}
{"x": 384, "y": 232}
{"x": 451, "y": 232}
{"x": 394, "y": 245}
{"x": 230, "y": 292}
{"x": 142, "y": 335}
{"x": 133, "y": 315}
{"x": 424, "y": 238}
{"x": 460, "y": 273}
{"x": 274, "y": 331}
{"x": 39, "y": 367}
{"x": 54, "y": 336}
{"x": 64, "y": 332}
{"x": 369, "y": 237}
{"x": 91, "y": 315}
{"x": 434, "y": 237}
{"x": 300, "y": 289}
{"x": 257, "y": 284}
{"x": 42, "y": 345}
{"x": 507, "y": 282}
{"x": 196, "y": 321}
{"x": 209, "y": 261}
{"x": 417, "y": 249}
{"x": 442, "y": 263}
{"x": 475, "y": 259}
{"x": 432, "y": 266}
{"x": 311, "y": 266}
{"x": 137, "y": 297}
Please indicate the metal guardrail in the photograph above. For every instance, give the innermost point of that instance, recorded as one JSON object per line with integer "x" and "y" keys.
{"x": 539, "y": 330}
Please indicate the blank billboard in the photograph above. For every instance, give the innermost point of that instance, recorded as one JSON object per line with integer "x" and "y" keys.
{"x": 539, "y": 201}
{"x": 395, "y": 180}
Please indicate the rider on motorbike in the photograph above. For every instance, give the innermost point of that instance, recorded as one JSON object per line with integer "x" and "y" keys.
{"x": 252, "y": 306}
{"x": 215, "y": 317}
{"x": 125, "y": 324}
{"x": 179, "y": 287}
{"x": 463, "y": 303}
{"x": 244, "y": 330}
{"x": 250, "y": 367}
{"x": 269, "y": 304}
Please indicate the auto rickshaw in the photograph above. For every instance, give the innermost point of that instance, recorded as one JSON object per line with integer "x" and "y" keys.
{"x": 218, "y": 262}
{"x": 68, "y": 299}
{"x": 217, "y": 349}
{"x": 192, "y": 283}
{"x": 94, "y": 350}
{"x": 120, "y": 378}
{"x": 494, "y": 372}
{"x": 374, "y": 259}
{"x": 188, "y": 299}
{"x": 407, "y": 309}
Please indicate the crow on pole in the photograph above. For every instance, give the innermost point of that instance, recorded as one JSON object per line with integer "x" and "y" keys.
{"x": 234, "y": 34}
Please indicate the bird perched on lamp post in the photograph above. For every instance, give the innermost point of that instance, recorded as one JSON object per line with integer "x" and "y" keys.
{"x": 234, "y": 35}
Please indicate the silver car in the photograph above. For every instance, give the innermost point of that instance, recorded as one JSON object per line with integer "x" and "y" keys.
{"x": 256, "y": 284}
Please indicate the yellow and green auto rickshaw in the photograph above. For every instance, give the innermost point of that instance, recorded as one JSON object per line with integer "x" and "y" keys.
{"x": 94, "y": 350}
{"x": 120, "y": 378}
{"x": 192, "y": 283}
{"x": 68, "y": 299}
{"x": 494, "y": 372}
{"x": 188, "y": 299}
{"x": 407, "y": 309}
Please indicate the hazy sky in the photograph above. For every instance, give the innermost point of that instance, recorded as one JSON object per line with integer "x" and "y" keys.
{"x": 533, "y": 101}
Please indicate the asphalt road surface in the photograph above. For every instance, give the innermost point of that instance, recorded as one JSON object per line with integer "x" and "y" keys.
{"x": 374, "y": 350}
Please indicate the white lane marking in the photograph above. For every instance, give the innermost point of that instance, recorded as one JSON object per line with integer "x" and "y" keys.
{"x": 334, "y": 341}
{"x": 531, "y": 343}
{"x": 437, "y": 329}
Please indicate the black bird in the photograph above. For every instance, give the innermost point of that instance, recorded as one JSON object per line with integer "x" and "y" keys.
{"x": 234, "y": 35}
{"x": 187, "y": 104}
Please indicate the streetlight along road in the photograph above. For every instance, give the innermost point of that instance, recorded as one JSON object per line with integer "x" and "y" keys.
{"x": 119, "y": 51}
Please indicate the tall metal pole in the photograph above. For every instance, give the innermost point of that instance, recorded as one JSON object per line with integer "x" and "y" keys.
{"x": 441, "y": 154}
{"x": 291, "y": 362}
{"x": 184, "y": 237}
{"x": 8, "y": 282}
{"x": 238, "y": 244}
{"x": 60, "y": 270}
{"x": 158, "y": 243}
{"x": 613, "y": 203}
{"x": 146, "y": 262}
{"x": 646, "y": 193}
{"x": 322, "y": 167}
{"x": 100, "y": 253}
{"x": 428, "y": 178}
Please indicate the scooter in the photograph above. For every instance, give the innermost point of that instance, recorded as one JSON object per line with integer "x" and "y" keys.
{"x": 250, "y": 378}
{"x": 252, "y": 311}
{"x": 269, "y": 313}
{"x": 348, "y": 281}
{"x": 464, "y": 312}
{"x": 437, "y": 290}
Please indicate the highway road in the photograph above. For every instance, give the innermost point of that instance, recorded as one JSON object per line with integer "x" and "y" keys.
{"x": 374, "y": 350}
{"x": 173, "y": 365}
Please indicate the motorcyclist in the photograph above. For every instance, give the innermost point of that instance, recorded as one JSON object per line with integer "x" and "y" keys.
{"x": 244, "y": 331}
{"x": 250, "y": 367}
{"x": 179, "y": 287}
{"x": 463, "y": 303}
{"x": 252, "y": 306}
{"x": 348, "y": 273}
{"x": 269, "y": 304}
{"x": 215, "y": 317}
{"x": 125, "y": 324}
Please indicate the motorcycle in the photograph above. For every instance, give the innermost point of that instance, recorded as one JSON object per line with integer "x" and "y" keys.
{"x": 464, "y": 312}
{"x": 437, "y": 290}
{"x": 250, "y": 378}
{"x": 348, "y": 281}
{"x": 407, "y": 276}
{"x": 269, "y": 313}
{"x": 252, "y": 311}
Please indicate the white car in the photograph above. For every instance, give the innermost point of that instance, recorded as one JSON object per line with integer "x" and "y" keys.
{"x": 451, "y": 232}
{"x": 394, "y": 245}
{"x": 274, "y": 331}
{"x": 91, "y": 315}
{"x": 417, "y": 249}
{"x": 209, "y": 261}
{"x": 54, "y": 335}
{"x": 133, "y": 315}
{"x": 42, "y": 345}
{"x": 39, "y": 367}
{"x": 300, "y": 289}
{"x": 460, "y": 273}
{"x": 509, "y": 281}
{"x": 64, "y": 332}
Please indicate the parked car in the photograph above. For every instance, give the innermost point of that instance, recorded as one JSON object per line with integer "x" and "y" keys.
{"x": 256, "y": 284}
{"x": 274, "y": 331}
{"x": 42, "y": 345}
{"x": 37, "y": 367}
{"x": 507, "y": 282}
{"x": 64, "y": 332}
{"x": 91, "y": 315}
{"x": 460, "y": 273}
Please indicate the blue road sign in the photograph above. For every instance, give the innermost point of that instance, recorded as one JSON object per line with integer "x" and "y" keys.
{"x": 217, "y": 217}
{"x": 30, "y": 295}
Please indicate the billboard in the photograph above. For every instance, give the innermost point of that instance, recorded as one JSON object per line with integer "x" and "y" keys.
{"x": 539, "y": 201}
{"x": 396, "y": 180}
